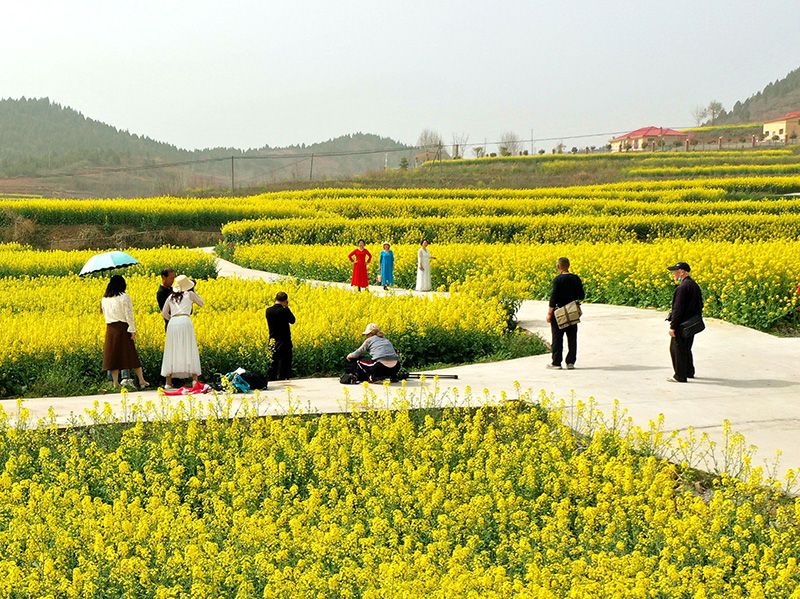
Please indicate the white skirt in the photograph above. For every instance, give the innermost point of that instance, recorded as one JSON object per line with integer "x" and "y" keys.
{"x": 424, "y": 279}
{"x": 181, "y": 356}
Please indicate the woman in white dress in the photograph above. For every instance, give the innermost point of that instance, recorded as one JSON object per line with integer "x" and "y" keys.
{"x": 181, "y": 356}
{"x": 424, "y": 267}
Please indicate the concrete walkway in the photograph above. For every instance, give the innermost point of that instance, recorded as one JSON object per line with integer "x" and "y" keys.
{"x": 749, "y": 378}
{"x": 229, "y": 269}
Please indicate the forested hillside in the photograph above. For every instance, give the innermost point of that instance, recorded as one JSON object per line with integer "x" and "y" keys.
{"x": 776, "y": 99}
{"x": 51, "y": 149}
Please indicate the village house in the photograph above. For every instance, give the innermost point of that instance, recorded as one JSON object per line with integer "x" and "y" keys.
{"x": 644, "y": 138}
{"x": 786, "y": 127}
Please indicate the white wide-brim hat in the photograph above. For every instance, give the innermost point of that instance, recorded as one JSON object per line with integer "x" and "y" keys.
{"x": 182, "y": 283}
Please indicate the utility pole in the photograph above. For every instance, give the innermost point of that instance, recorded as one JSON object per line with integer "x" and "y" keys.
{"x": 233, "y": 176}
{"x": 531, "y": 142}
{"x": 311, "y": 170}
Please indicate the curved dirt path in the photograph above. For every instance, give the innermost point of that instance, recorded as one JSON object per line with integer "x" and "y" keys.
{"x": 749, "y": 378}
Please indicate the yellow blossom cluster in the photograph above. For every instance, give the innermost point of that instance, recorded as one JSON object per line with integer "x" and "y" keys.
{"x": 547, "y": 228}
{"x": 54, "y": 325}
{"x": 588, "y": 160}
{"x": 752, "y": 283}
{"x": 704, "y": 170}
{"x": 19, "y": 261}
{"x": 205, "y": 213}
{"x": 491, "y": 502}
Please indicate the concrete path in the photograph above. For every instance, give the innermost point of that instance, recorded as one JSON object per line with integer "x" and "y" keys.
{"x": 749, "y": 378}
{"x": 229, "y": 269}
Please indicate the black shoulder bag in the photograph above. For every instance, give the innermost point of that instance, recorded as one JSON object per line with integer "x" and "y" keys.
{"x": 692, "y": 326}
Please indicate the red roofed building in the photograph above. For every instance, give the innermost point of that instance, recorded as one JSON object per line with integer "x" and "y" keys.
{"x": 786, "y": 127}
{"x": 644, "y": 138}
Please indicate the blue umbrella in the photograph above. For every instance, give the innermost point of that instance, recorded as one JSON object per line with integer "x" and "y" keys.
{"x": 108, "y": 261}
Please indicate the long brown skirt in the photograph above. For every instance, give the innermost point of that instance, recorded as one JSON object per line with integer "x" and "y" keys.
{"x": 119, "y": 351}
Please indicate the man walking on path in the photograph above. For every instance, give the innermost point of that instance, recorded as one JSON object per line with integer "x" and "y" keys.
{"x": 567, "y": 287}
{"x": 165, "y": 290}
{"x": 687, "y": 302}
{"x": 279, "y": 319}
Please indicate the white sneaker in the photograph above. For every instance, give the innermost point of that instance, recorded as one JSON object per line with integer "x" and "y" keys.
{"x": 570, "y": 366}
{"x": 554, "y": 366}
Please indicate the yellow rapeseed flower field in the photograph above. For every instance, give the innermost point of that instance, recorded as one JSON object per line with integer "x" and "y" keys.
{"x": 52, "y": 327}
{"x": 753, "y": 283}
{"x": 204, "y": 213}
{"x": 492, "y": 502}
{"x": 20, "y": 261}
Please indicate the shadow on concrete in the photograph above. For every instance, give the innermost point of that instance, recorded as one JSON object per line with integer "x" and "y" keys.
{"x": 744, "y": 383}
{"x": 621, "y": 368}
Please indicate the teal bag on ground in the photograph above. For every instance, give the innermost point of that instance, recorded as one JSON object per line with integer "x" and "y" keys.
{"x": 238, "y": 382}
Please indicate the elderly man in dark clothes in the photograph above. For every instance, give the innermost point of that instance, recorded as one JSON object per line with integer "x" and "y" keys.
{"x": 279, "y": 319}
{"x": 567, "y": 287}
{"x": 687, "y": 302}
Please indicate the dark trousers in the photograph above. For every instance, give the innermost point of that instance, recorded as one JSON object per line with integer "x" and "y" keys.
{"x": 680, "y": 348}
{"x": 558, "y": 342}
{"x": 280, "y": 366}
{"x": 378, "y": 372}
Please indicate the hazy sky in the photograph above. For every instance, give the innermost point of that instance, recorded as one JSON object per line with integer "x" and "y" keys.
{"x": 246, "y": 73}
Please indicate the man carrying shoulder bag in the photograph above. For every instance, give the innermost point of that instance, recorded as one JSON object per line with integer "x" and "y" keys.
{"x": 685, "y": 321}
{"x": 567, "y": 288}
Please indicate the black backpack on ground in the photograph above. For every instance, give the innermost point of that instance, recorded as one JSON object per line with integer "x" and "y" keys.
{"x": 351, "y": 374}
{"x": 402, "y": 375}
{"x": 255, "y": 380}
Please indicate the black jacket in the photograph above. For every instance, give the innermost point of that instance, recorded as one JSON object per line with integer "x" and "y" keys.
{"x": 687, "y": 301}
{"x": 279, "y": 317}
{"x": 567, "y": 288}
{"x": 162, "y": 296}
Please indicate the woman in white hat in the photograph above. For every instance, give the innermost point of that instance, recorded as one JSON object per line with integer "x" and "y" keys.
{"x": 181, "y": 356}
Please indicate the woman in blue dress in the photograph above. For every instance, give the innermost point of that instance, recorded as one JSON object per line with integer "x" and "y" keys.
{"x": 387, "y": 265}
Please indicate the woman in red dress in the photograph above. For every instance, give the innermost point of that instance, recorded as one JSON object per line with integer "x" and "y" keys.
{"x": 360, "y": 257}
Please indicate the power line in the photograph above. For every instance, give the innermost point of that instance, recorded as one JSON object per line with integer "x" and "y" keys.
{"x": 271, "y": 171}
{"x": 285, "y": 156}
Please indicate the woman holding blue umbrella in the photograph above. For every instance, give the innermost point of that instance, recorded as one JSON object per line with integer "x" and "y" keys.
{"x": 119, "y": 349}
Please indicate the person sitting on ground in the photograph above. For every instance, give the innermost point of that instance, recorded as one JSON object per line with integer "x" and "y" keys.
{"x": 384, "y": 362}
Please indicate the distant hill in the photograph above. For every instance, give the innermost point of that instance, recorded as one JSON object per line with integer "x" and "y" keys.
{"x": 776, "y": 99}
{"x": 40, "y": 139}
